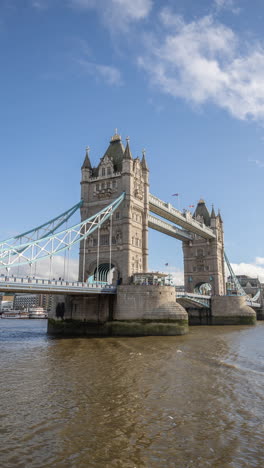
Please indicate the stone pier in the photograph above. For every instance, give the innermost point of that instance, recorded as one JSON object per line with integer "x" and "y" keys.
{"x": 134, "y": 311}
{"x": 231, "y": 310}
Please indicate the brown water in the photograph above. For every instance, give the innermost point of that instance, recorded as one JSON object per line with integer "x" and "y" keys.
{"x": 192, "y": 401}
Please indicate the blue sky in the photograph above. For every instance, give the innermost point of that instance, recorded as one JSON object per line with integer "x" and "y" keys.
{"x": 184, "y": 79}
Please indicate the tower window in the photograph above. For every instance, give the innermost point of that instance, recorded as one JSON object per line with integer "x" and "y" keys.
{"x": 103, "y": 171}
{"x": 104, "y": 239}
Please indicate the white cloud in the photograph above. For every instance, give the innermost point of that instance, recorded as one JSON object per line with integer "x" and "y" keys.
{"x": 260, "y": 261}
{"x": 227, "y": 5}
{"x": 117, "y": 14}
{"x": 257, "y": 162}
{"x": 109, "y": 74}
{"x": 201, "y": 62}
{"x": 42, "y": 269}
{"x": 254, "y": 270}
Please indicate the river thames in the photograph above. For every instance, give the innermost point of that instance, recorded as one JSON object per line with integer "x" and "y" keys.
{"x": 154, "y": 402}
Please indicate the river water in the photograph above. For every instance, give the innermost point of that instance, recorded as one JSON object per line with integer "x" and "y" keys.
{"x": 189, "y": 401}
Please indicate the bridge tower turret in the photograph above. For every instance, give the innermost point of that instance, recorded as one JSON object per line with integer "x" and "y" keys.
{"x": 204, "y": 259}
{"x": 116, "y": 172}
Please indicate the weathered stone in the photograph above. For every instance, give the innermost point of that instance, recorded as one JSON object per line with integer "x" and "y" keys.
{"x": 231, "y": 310}
{"x": 135, "y": 311}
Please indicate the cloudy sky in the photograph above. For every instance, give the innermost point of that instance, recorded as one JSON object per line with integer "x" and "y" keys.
{"x": 183, "y": 78}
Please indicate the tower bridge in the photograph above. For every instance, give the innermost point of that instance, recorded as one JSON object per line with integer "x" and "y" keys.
{"x": 116, "y": 212}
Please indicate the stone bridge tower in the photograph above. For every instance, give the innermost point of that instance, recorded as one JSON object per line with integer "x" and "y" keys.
{"x": 116, "y": 172}
{"x": 204, "y": 259}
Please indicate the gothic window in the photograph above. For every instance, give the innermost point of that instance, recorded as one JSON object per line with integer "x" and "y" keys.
{"x": 108, "y": 184}
{"x": 103, "y": 172}
{"x": 200, "y": 252}
{"x": 113, "y": 240}
{"x": 103, "y": 185}
{"x": 104, "y": 239}
{"x": 109, "y": 171}
{"x": 94, "y": 242}
{"x": 118, "y": 215}
{"x": 114, "y": 183}
{"x": 97, "y": 186}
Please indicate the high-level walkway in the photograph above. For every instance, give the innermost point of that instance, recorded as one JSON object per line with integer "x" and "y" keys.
{"x": 185, "y": 220}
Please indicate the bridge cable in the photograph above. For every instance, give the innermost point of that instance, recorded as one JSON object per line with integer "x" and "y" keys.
{"x": 63, "y": 240}
{"x": 239, "y": 288}
{"x": 84, "y": 253}
{"x": 110, "y": 244}
{"x": 7, "y": 244}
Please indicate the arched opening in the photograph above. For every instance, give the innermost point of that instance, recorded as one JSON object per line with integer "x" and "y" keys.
{"x": 105, "y": 274}
{"x": 203, "y": 288}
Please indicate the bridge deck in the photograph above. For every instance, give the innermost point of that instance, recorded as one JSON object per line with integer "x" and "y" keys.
{"x": 44, "y": 286}
{"x": 186, "y": 221}
{"x": 169, "y": 229}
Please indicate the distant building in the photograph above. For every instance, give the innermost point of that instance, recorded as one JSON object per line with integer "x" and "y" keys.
{"x": 6, "y": 301}
{"x": 250, "y": 285}
{"x": 6, "y": 305}
{"x": 24, "y": 301}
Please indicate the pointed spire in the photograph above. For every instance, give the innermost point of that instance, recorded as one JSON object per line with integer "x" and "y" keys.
{"x": 213, "y": 212}
{"x": 127, "y": 153}
{"x": 201, "y": 210}
{"x": 143, "y": 160}
{"x": 116, "y": 136}
{"x": 86, "y": 162}
{"x": 220, "y": 217}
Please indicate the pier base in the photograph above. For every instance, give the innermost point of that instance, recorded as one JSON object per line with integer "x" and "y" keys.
{"x": 134, "y": 311}
{"x": 231, "y": 310}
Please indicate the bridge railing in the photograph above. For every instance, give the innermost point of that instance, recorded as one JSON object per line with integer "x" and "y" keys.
{"x": 47, "y": 282}
{"x": 200, "y": 296}
{"x": 185, "y": 217}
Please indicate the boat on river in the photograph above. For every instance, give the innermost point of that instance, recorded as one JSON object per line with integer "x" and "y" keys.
{"x": 14, "y": 314}
{"x": 37, "y": 313}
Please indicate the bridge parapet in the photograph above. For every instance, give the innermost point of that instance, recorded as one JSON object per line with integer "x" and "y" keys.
{"x": 194, "y": 300}
{"x": 46, "y": 286}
